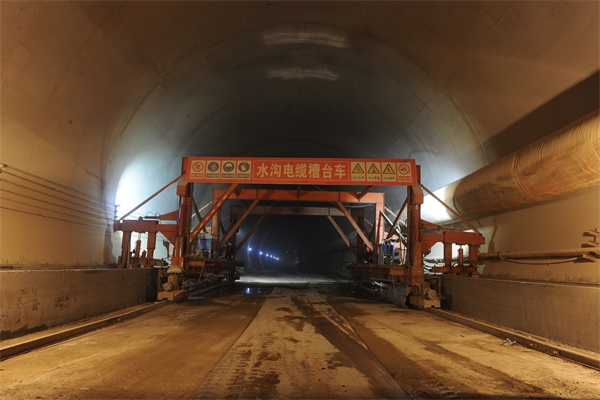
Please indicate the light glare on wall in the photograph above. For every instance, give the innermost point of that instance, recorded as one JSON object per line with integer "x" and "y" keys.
{"x": 433, "y": 211}
{"x": 130, "y": 192}
{"x": 305, "y": 34}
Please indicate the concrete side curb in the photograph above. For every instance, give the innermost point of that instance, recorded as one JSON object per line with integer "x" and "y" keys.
{"x": 523, "y": 339}
{"x": 28, "y": 345}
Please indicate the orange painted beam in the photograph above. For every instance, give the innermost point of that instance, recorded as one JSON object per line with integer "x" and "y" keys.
{"x": 355, "y": 225}
{"x": 342, "y": 234}
{"x": 303, "y": 195}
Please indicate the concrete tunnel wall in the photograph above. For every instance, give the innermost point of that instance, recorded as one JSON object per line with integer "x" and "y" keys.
{"x": 40, "y": 299}
{"x": 100, "y": 100}
{"x": 550, "y": 298}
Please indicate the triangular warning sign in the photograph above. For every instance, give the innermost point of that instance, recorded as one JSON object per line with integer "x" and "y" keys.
{"x": 373, "y": 169}
{"x": 389, "y": 169}
{"x": 358, "y": 169}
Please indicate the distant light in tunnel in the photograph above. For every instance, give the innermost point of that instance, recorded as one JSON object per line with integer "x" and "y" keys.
{"x": 304, "y": 34}
{"x": 298, "y": 73}
{"x": 249, "y": 248}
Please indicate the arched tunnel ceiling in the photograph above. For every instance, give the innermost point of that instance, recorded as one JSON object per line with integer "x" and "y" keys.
{"x": 304, "y": 90}
{"x": 118, "y": 92}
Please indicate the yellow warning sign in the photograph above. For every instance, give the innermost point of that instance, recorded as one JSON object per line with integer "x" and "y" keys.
{"x": 389, "y": 173}
{"x": 373, "y": 169}
{"x": 357, "y": 171}
{"x": 373, "y": 173}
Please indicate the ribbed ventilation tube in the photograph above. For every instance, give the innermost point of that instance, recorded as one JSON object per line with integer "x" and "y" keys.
{"x": 565, "y": 162}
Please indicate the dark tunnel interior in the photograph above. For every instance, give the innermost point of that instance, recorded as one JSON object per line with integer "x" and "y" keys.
{"x": 496, "y": 102}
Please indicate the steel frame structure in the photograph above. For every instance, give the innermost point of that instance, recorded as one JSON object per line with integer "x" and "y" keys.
{"x": 307, "y": 196}
{"x": 421, "y": 235}
{"x": 423, "y": 291}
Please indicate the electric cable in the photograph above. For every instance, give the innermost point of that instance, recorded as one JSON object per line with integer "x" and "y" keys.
{"x": 53, "y": 211}
{"x": 2, "y": 166}
{"x": 95, "y": 208}
{"x": 93, "y": 202}
{"x": 538, "y": 262}
{"x": 59, "y": 219}
{"x": 54, "y": 204}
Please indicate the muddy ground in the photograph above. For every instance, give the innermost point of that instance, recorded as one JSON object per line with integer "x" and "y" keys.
{"x": 301, "y": 341}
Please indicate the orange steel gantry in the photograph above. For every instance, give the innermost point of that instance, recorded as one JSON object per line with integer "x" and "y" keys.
{"x": 244, "y": 174}
{"x": 406, "y": 279}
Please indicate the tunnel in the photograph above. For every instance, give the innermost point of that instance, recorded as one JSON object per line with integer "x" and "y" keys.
{"x": 496, "y": 103}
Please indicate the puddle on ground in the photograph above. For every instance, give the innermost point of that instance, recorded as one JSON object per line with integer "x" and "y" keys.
{"x": 194, "y": 298}
{"x": 239, "y": 290}
{"x": 254, "y": 290}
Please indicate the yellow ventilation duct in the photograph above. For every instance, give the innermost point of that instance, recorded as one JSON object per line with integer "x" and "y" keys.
{"x": 563, "y": 163}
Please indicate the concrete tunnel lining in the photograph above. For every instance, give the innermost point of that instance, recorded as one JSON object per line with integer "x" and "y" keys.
{"x": 243, "y": 103}
{"x": 162, "y": 56}
{"x": 95, "y": 94}
{"x": 125, "y": 86}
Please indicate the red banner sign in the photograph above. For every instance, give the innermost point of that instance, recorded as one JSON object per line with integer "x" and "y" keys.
{"x": 307, "y": 171}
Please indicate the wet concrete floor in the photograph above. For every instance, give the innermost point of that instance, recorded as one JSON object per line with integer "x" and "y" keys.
{"x": 291, "y": 340}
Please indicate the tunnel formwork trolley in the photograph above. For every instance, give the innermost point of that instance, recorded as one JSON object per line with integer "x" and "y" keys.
{"x": 399, "y": 273}
{"x": 193, "y": 262}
